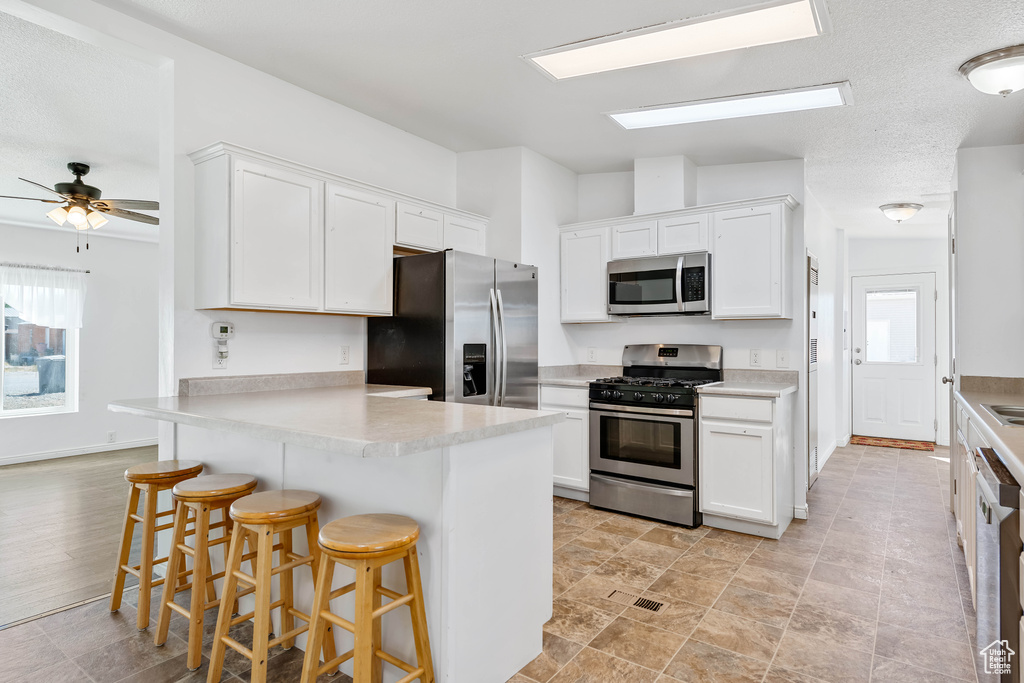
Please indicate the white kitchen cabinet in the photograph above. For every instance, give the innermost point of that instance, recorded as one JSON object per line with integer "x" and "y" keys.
{"x": 465, "y": 234}
{"x": 635, "y": 240}
{"x": 419, "y": 227}
{"x": 358, "y": 251}
{"x": 750, "y": 277}
{"x": 584, "y": 275}
{"x": 682, "y": 234}
{"x": 571, "y": 438}
{"x": 745, "y": 466}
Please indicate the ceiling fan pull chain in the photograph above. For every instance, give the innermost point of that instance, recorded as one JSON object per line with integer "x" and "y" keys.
{"x": 78, "y": 242}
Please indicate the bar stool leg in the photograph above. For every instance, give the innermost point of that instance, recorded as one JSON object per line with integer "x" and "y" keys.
{"x": 233, "y": 562}
{"x": 287, "y": 591}
{"x": 312, "y": 533}
{"x": 175, "y": 566}
{"x": 377, "y": 668}
{"x": 364, "y": 652}
{"x": 419, "y": 615}
{"x": 318, "y": 626}
{"x": 125, "y": 549}
{"x": 200, "y": 566}
{"x": 261, "y": 628}
{"x": 146, "y": 561}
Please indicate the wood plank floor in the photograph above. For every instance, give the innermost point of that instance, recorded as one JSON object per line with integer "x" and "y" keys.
{"x": 60, "y": 525}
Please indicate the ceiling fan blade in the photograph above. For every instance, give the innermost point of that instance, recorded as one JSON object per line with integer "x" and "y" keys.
{"x": 140, "y": 204}
{"x": 48, "y": 189}
{"x": 131, "y": 215}
{"x": 34, "y": 199}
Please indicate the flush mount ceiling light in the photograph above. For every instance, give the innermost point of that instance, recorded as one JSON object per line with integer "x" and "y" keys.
{"x": 900, "y": 211}
{"x": 771, "y": 22}
{"x": 738, "y": 106}
{"x": 999, "y": 72}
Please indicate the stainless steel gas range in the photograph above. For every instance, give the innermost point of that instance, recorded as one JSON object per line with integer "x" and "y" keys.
{"x": 643, "y": 435}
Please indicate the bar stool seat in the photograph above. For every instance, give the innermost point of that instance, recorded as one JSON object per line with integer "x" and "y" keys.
{"x": 274, "y": 506}
{"x": 363, "y": 534}
{"x": 215, "y": 487}
{"x": 146, "y": 481}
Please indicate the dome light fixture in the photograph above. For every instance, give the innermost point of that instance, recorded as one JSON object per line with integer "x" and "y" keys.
{"x": 999, "y": 72}
{"x": 900, "y": 211}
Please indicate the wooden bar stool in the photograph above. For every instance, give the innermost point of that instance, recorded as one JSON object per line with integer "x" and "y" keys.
{"x": 147, "y": 480}
{"x": 366, "y": 543}
{"x": 263, "y": 515}
{"x": 194, "y": 500}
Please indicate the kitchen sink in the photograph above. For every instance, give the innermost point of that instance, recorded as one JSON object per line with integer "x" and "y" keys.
{"x": 1007, "y": 415}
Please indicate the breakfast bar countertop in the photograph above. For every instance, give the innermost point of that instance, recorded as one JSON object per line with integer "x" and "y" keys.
{"x": 363, "y": 420}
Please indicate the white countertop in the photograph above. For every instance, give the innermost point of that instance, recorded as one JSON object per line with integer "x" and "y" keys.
{"x": 364, "y": 420}
{"x": 577, "y": 382}
{"x": 755, "y": 389}
{"x": 1007, "y": 440}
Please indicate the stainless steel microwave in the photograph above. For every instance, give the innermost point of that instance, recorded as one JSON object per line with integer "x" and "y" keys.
{"x": 664, "y": 285}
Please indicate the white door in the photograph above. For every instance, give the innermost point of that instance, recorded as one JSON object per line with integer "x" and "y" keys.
{"x": 894, "y": 361}
{"x": 572, "y": 459}
{"x": 358, "y": 259}
{"x": 737, "y": 471}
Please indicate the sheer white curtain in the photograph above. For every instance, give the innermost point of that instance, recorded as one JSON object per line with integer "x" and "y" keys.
{"x": 48, "y": 298}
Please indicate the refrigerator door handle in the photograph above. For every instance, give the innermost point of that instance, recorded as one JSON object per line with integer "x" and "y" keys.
{"x": 504, "y": 349}
{"x": 496, "y": 318}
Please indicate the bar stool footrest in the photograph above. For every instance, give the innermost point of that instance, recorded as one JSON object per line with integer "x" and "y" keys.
{"x": 404, "y": 666}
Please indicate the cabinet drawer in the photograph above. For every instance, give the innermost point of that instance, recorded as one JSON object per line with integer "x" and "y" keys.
{"x": 974, "y": 438}
{"x": 728, "y": 408}
{"x": 564, "y": 396}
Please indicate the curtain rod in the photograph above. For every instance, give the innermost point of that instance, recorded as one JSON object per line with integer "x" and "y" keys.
{"x": 8, "y": 264}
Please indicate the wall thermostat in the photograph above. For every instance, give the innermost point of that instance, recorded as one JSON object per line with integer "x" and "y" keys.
{"x": 223, "y": 330}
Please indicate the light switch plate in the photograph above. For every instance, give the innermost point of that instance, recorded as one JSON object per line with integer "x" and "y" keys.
{"x": 591, "y": 354}
{"x": 782, "y": 358}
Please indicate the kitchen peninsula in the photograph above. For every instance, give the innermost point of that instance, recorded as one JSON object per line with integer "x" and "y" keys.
{"x": 476, "y": 478}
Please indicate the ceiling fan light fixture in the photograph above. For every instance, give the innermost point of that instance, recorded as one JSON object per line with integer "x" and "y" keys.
{"x": 900, "y": 211}
{"x": 999, "y": 72}
{"x": 77, "y": 217}
{"x": 58, "y": 215}
{"x": 97, "y": 219}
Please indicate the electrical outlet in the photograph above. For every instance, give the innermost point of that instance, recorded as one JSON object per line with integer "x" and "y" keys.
{"x": 755, "y": 358}
{"x": 591, "y": 354}
{"x": 111, "y": 437}
{"x": 782, "y": 358}
{"x": 343, "y": 356}
{"x": 219, "y": 363}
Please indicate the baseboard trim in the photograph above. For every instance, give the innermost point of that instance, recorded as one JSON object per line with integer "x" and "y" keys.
{"x": 69, "y": 452}
{"x": 572, "y": 494}
{"x": 845, "y": 441}
{"x": 800, "y": 511}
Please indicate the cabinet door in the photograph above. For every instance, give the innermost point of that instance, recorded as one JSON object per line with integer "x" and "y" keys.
{"x": 465, "y": 234}
{"x": 683, "y": 234}
{"x": 276, "y": 237}
{"x": 358, "y": 260}
{"x": 584, "y": 274}
{"x": 737, "y": 471}
{"x": 634, "y": 240}
{"x": 419, "y": 227}
{"x": 572, "y": 457}
{"x": 747, "y": 272}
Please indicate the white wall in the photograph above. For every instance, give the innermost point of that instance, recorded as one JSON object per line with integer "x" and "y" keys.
{"x": 894, "y": 256}
{"x": 490, "y": 183}
{"x": 605, "y": 195}
{"x": 117, "y": 343}
{"x": 990, "y": 243}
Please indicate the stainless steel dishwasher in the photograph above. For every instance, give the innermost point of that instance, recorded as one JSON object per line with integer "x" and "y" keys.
{"x": 998, "y": 573}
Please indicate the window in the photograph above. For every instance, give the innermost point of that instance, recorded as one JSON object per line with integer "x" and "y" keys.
{"x": 891, "y": 326}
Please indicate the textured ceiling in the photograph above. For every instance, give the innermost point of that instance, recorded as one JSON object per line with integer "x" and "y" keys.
{"x": 63, "y": 100}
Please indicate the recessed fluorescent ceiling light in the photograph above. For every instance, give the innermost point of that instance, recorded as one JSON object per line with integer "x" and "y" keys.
{"x": 777, "y": 102}
{"x": 773, "y": 22}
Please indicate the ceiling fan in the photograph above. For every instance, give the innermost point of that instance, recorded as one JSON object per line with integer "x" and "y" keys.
{"x": 82, "y": 206}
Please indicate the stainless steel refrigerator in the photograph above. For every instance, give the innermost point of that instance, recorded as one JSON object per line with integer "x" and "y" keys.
{"x": 463, "y": 325}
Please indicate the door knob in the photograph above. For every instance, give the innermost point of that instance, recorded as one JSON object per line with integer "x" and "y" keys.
{"x": 857, "y": 362}
{"x": 947, "y": 380}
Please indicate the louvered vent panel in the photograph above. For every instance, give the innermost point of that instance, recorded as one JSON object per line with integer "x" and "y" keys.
{"x": 814, "y": 276}
{"x": 814, "y": 351}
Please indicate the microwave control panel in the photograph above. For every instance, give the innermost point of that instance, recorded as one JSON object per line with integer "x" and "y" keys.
{"x": 693, "y": 284}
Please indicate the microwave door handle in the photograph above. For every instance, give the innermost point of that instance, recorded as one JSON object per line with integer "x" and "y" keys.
{"x": 496, "y": 354}
{"x": 504, "y": 349}
{"x": 679, "y": 284}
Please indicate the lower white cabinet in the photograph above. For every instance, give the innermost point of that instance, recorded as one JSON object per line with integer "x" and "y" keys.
{"x": 746, "y": 474}
{"x": 571, "y": 437}
{"x": 584, "y": 274}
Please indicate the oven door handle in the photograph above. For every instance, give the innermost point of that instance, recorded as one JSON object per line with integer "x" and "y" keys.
{"x": 679, "y": 284}
{"x": 677, "y": 412}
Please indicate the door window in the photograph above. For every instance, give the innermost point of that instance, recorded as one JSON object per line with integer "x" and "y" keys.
{"x": 891, "y": 325}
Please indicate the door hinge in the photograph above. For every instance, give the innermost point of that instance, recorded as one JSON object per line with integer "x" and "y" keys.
{"x": 936, "y": 295}
{"x": 953, "y": 242}
{"x": 936, "y": 360}
{"x": 935, "y": 425}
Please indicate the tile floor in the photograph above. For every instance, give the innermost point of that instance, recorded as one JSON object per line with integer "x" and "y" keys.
{"x": 60, "y": 525}
{"x": 871, "y": 588}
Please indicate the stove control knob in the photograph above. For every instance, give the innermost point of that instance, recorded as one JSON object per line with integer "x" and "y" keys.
{"x": 658, "y": 397}
{"x": 616, "y": 395}
{"x": 671, "y": 398}
{"x": 638, "y": 396}
{"x": 606, "y": 394}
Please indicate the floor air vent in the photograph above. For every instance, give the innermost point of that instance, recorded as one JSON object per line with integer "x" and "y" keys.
{"x": 624, "y": 598}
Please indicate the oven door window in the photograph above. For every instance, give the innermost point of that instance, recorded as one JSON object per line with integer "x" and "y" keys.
{"x": 644, "y": 287}
{"x": 645, "y": 442}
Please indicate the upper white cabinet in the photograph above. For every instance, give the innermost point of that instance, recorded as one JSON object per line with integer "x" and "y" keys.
{"x": 584, "y": 275}
{"x": 634, "y": 240}
{"x": 749, "y": 273}
{"x": 682, "y": 234}
{"x": 279, "y": 236}
{"x": 358, "y": 251}
{"x": 419, "y": 227}
{"x": 465, "y": 234}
